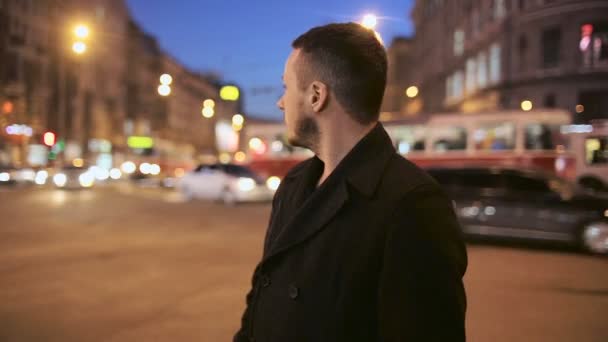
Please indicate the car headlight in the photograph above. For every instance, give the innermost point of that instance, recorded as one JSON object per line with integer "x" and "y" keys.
{"x": 86, "y": 179}
{"x": 273, "y": 183}
{"x": 115, "y": 173}
{"x": 41, "y": 177}
{"x": 128, "y": 167}
{"x": 5, "y": 177}
{"x": 60, "y": 179}
{"x": 245, "y": 184}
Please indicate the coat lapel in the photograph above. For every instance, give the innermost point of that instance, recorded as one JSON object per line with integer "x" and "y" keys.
{"x": 314, "y": 215}
{"x": 362, "y": 168}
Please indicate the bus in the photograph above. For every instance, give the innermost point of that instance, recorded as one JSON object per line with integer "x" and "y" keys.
{"x": 537, "y": 139}
{"x": 590, "y": 142}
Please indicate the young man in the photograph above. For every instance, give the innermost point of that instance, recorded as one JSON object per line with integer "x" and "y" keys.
{"x": 362, "y": 245}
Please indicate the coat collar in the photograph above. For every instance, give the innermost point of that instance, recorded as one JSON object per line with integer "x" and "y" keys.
{"x": 362, "y": 168}
{"x": 363, "y": 165}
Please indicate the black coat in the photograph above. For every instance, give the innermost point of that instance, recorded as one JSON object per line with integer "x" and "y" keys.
{"x": 373, "y": 254}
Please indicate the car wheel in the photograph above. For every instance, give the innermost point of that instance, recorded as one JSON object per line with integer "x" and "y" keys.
{"x": 594, "y": 238}
{"x": 228, "y": 198}
{"x": 592, "y": 183}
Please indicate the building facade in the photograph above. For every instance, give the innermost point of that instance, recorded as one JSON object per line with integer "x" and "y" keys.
{"x": 477, "y": 55}
{"x": 96, "y": 95}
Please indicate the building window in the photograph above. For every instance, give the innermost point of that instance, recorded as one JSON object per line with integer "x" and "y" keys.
{"x": 458, "y": 81}
{"x": 499, "y": 9}
{"x": 471, "y": 84}
{"x": 458, "y": 42}
{"x": 551, "y": 42}
{"x": 549, "y": 101}
{"x": 594, "y": 44}
{"x": 482, "y": 70}
{"x": 475, "y": 25}
{"x": 522, "y": 49}
{"x": 449, "y": 87}
{"x": 495, "y": 63}
{"x": 454, "y": 85}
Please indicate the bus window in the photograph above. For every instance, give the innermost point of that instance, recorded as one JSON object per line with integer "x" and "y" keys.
{"x": 495, "y": 137}
{"x": 543, "y": 137}
{"x": 596, "y": 150}
{"x": 450, "y": 138}
{"x": 407, "y": 138}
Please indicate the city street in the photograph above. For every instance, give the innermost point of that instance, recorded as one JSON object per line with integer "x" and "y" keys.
{"x": 120, "y": 263}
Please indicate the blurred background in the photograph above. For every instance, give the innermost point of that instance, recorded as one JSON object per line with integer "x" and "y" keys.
{"x": 140, "y": 146}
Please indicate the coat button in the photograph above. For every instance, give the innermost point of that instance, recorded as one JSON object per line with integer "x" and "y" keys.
{"x": 293, "y": 292}
{"x": 265, "y": 281}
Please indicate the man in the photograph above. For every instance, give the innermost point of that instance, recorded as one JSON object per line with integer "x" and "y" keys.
{"x": 362, "y": 245}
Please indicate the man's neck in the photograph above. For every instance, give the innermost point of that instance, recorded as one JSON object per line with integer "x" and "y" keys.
{"x": 336, "y": 141}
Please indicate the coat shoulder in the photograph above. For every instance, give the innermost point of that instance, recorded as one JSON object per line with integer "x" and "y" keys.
{"x": 401, "y": 177}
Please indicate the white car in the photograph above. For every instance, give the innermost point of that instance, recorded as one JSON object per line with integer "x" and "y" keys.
{"x": 228, "y": 183}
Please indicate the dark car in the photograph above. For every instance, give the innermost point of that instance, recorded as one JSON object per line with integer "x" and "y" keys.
{"x": 524, "y": 204}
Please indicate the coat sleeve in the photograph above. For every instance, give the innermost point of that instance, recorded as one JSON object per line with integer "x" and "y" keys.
{"x": 241, "y": 334}
{"x": 421, "y": 293}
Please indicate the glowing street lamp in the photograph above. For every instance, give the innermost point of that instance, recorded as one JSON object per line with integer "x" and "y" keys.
{"x": 208, "y": 112}
{"x": 81, "y": 31}
{"x": 412, "y": 92}
{"x": 209, "y": 103}
{"x": 238, "y": 120}
{"x": 164, "y": 90}
{"x": 369, "y": 21}
{"x": 526, "y": 105}
{"x": 79, "y": 48}
{"x": 166, "y": 79}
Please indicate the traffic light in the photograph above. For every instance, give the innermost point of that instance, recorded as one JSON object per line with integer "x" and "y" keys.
{"x": 49, "y": 139}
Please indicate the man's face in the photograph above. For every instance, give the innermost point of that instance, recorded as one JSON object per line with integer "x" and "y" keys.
{"x": 302, "y": 128}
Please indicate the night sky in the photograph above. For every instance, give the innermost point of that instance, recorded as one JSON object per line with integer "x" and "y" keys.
{"x": 247, "y": 41}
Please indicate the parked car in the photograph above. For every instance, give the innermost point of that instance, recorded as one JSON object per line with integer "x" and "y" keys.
{"x": 10, "y": 175}
{"x": 228, "y": 183}
{"x": 524, "y": 204}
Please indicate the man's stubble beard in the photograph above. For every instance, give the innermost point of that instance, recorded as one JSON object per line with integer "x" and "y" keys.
{"x": 306, "y": 134}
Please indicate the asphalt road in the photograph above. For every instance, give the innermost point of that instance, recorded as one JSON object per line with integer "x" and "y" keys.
{"x": 128, "y": 264}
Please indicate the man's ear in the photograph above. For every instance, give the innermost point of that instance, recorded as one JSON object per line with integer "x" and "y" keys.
{"x": 319, "y": 96}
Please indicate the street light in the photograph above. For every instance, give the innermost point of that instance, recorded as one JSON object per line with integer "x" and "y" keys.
{"x": 209, "y": 103}
{"x": 238, "y": 120}
{"x": 79, "y": 48}
{"x": 208, "y": 112}
{"x": 164, "y": 90}
{"x": 526, "y": 105}
{"x": 369, "y": 21}
{"x": 412, "y": 92}
{"x": 166, "y": 79}
{"x": 81, "y": 31}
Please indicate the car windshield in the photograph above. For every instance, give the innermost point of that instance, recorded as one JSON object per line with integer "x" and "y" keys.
{"x": 239, "y": 171}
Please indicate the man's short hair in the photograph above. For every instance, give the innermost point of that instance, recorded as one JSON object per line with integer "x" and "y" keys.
{"x": 351, "y": 61}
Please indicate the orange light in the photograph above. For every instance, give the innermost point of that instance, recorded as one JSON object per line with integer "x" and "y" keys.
{"x": 7, "y": 107}
{"x": 240, "y": 156}
{"x": 49, "y": 138}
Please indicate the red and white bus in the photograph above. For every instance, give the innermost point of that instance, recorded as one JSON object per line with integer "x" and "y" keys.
{"x": 590, "y": 144}
{"x": 532, "y": 139}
